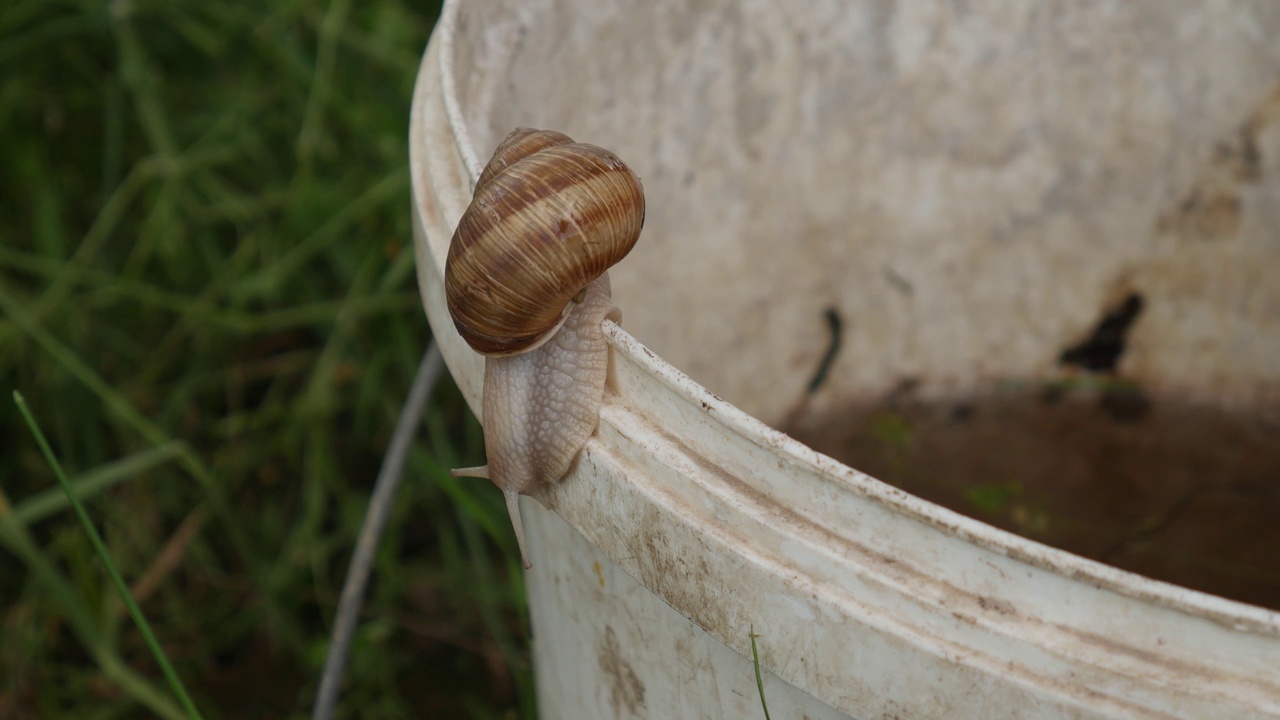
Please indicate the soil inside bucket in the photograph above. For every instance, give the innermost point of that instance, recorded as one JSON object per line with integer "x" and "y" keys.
{"x": 1184, "y": 493}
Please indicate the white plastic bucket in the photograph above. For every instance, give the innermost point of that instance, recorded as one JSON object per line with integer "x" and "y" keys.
{"x": 968, "y": 187}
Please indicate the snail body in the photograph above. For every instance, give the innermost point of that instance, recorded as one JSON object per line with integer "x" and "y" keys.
{"x": 526, "y": 285}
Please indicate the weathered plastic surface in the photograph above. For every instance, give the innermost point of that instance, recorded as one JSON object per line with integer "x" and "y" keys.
{"x": 956, "y": 178}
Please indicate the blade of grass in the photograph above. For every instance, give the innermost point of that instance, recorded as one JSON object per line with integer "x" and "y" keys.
{"x": 755, "y": 660}
{"x": 28, "y": 39}
{"x": 207, "y": 312}
{"x": 54, "y": 500}
{"x": 490, "y": 594}
{"x": 318, "y": 400}
{"x": 321, "y": 86}
{"x": 375, "y": 519}
{"x": 465, "y": 494}
{"x": 175, "y": 683}
{"x": 18, "y": 541}
{"x": 466, "y": 501}
{"x": 170, "y": 556}
{"x": 105, "y": 223}
{"x": 261, "y": 281}
{"x": 156, "y": 435}
{"x": 139, "y": 76}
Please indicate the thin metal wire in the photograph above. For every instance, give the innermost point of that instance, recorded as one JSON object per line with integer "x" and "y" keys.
{"x": 375, "y": 518}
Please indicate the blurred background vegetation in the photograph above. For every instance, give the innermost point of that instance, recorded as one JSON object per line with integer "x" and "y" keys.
{"x": 207, "y": 297}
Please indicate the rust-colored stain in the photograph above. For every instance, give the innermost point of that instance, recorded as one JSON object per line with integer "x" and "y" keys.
{"x": 626, "y": 691}
{"x": 1210, "y": 210}
{"x": 599, "y": 574}
{"x": 1207, "y": 213}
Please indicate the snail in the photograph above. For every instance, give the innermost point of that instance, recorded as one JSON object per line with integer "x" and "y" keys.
{"x": 526, "y": 286}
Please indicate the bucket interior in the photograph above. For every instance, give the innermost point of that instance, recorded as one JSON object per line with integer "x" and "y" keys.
{"x": 1022, "y": 261}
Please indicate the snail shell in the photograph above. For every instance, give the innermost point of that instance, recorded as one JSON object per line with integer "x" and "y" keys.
{"x": 548, "y": 216}
{"x": 526, "y": 285}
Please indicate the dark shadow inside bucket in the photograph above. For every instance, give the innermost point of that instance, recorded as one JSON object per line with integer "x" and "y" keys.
{"x": 1184, "y": 493}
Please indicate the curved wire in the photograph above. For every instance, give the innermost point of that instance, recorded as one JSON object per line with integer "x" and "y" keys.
{"x": 375, "y": 519}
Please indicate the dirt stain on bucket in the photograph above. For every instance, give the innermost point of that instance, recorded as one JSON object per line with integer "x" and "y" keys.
{"x": 1171, "y": 490}
{"x": 625, "y": 688}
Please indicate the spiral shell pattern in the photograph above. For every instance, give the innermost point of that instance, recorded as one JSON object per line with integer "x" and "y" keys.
{"x": 548, "y": 216}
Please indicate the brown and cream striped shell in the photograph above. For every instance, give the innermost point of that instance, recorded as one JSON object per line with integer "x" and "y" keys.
{"x": 548, "y": 216}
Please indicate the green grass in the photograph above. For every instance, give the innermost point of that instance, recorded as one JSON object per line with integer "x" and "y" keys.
{"x": 755, "y": 662}
{"x": 122, "y": 590}
{"x": 207, "y": 299}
